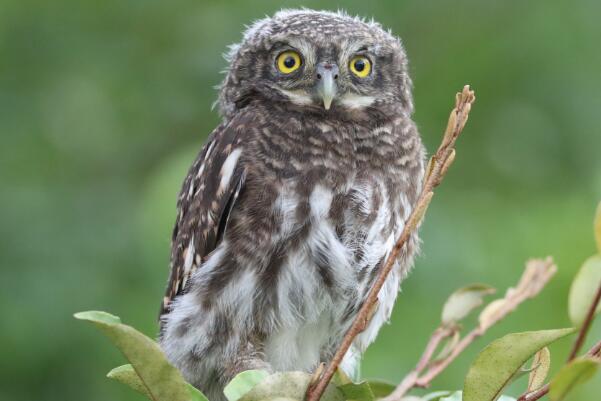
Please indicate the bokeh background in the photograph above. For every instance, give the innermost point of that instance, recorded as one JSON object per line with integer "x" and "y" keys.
{"x": 103, "y": 106}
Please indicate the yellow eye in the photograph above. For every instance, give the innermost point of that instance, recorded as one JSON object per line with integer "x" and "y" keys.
{"x": 360, "y": 66}
{"x": 288, "y": 62}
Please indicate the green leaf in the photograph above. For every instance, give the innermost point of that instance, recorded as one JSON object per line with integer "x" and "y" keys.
{"x": 98, "y": 316}
{"x": 457, "y": 396}
{"x": 357, "y": 391}
{"x": 438, "y": 395}
{"x": 288, "y": 386}
{"x": 340, "y": 377}
{"x": 243, "y": 383}
{"x": 463, "y": 301}
{"x": 195, "y": 394}
{"x": 597, "y": 226}
{"x": 521, "y": 372}
{"x": 571, "y": 375}
{"x": 162, "y": 381}
{"x": 381, "y": 388}
{"x": 126, "y": 374}
{"x": 435, "y": 396}
{"x": 496, "y": 364}
{"x": 583, "y": 289}
{"x": 540, "y": 369}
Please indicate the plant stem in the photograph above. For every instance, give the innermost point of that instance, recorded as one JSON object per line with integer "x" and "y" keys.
{"x": 535, "y": 395}
{"x": 411, "y": 378}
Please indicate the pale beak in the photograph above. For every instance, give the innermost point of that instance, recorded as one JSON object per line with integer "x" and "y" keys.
{"x": 327, "y": 74}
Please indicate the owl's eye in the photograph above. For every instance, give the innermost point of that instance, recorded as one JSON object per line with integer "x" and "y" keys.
{"x": 288, "y": 62}
{"x": 360, "y": 66}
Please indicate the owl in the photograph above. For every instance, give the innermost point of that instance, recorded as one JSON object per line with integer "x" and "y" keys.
{"x": 294, "y": 202}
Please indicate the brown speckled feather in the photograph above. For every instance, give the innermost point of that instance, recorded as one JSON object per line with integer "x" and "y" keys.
{"x": 203, "y": 206}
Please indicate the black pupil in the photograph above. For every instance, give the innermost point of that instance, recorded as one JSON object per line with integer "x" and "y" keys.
{"x": 359, "y": 65}
{"x": 289, "y": 62}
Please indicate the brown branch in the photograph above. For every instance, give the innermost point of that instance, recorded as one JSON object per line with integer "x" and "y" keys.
{"x": 594, "y": 351}
{"x": 438, "y": 166}
{"x": 536, "y": 275}
{"x": 439, "y": 334}
{"x": 410, "y": 380}
{"x": 535, "y": 395}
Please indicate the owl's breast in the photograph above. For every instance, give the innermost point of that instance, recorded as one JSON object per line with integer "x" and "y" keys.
{"x": 319, "y": 213}
{"x": 334, "y": 238}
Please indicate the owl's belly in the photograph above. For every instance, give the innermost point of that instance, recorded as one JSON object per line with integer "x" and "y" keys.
{"x": 313, "y": 315}
{"x": 324, "y": 281}
{"x": 298, "y": 346}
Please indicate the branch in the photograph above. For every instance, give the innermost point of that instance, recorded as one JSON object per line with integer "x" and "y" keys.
{"x": 411, "y": 379}
{"x": 541, "y": 392}
{"x": 536, "y": 275}
{"x": 437, "y": 168}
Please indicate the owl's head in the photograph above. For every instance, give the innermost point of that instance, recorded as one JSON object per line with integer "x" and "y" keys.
{"x": 321, "y": 61}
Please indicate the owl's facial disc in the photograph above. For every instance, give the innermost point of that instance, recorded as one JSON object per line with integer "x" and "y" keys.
{"x": 326, "y": 87}
{"x": 334, "y": 75}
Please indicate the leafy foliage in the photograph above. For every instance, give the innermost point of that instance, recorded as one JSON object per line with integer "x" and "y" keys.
{"x": 160, "y": 380}
{"x": 381, "y": 388}
{"x": 289, "y": 386}
{"x": 541, "y": 363}
{"x": 243, "y": 383}
{"x": 497, "y": 364}
{"x": 463, "y": 301}
{"x": 357, "y": 391}
{"x": 127, "y": 375}
{"x": 576, "y": 372}
{"x": 457, "y": 396}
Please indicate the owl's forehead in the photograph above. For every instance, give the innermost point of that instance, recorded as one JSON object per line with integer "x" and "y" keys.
{"x": 320, "y": 26}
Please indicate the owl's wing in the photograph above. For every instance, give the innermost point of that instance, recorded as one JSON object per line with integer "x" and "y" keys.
{"x": 206, "y": 199}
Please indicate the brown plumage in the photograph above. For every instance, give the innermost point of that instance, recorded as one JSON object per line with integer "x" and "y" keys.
{"x": 294, "y": 201}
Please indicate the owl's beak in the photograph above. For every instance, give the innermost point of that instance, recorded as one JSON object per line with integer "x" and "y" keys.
{"x": 327, "y": 74}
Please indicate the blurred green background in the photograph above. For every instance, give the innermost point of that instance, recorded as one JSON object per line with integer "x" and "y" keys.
{"x": 103, "y": 106}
